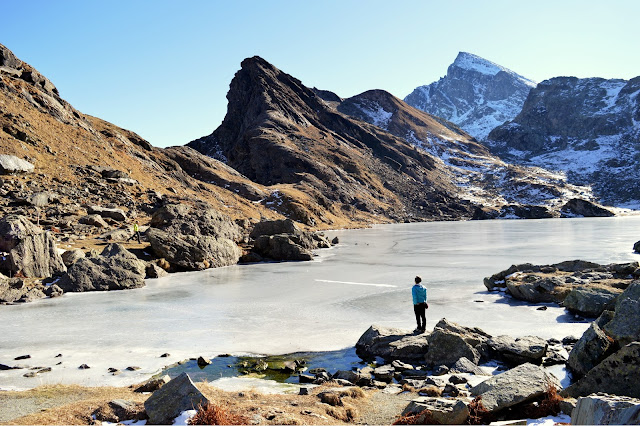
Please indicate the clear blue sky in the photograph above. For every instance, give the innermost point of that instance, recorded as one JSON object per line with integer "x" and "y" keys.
{"x": 163, "y": 68}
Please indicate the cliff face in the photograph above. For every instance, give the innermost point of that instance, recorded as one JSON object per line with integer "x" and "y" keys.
{"x": 588, "y": 128}
{"x": 476, "y": 94}
{"x": 480, "y": 176}
{"x": 279, "y": 132}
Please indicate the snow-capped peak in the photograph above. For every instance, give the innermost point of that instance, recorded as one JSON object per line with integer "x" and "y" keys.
{"x": 471, "y": 62}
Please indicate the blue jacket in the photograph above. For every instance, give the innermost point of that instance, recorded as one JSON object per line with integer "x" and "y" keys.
{"x": 419, "y": 293}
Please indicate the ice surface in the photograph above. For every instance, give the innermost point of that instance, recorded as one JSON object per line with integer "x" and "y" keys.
{"x": 277, "y": 308}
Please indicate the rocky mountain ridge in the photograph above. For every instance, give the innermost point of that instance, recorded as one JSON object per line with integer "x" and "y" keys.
{"x": 476, "y": 94}
{"x": 587, "y": 128}
{"x": 277, "y": 131}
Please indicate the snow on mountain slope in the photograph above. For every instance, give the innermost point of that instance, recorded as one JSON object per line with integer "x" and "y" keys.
{"x": 476, "y": 94}
{"x": 587, "y": 128}
{"x": 483, "y": 178}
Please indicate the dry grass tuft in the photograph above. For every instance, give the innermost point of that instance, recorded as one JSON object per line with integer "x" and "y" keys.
{"x": 214, "y": 415}
{"x": 478, "y": 415}
{"x": 353, "y": 393}
{"x": 408, "y": 388}
{"x": 422, "y": 418}
{"x": 548, "y": 405}
{"x": 346, "y": 414}
{"x": 430, "y": 390}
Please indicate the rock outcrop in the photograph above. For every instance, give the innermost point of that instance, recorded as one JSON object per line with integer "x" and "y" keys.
{"x": 582, "y": 208}
{"x": 28, "y": 250}
{"x": 392, "y": 344}
{"x": 441, "y": 411}
{"x": 279, "y": 132}
{"x": 114, "y": 269}
{"x": 284, "y": 240}
{"x": 449, "y": 342}
{"x": 194, "y": 237}
{"x": 585, "y": 288}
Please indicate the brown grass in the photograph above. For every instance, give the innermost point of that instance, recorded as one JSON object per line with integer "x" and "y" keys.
{"x": 478, "y": 415}
{"x": 215, "y": 415}
{"x": 422, "y": 418}
{"x": 548, "y": 405}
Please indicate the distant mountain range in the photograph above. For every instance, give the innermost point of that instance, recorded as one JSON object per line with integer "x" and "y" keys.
{"x": 587, "y": 129}
{"x": 476, "y": 94}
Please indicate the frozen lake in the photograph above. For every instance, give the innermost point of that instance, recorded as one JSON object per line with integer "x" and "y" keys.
{"x": 321, "y": 305}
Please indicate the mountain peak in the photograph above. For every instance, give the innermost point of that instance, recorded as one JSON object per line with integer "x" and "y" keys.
{"x": 471, "y": 62}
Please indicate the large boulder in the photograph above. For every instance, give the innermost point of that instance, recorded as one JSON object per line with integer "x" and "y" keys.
{"x": 28, "y": 249}
{"x": 589, "y": 350}
{"x": 624, "y": 327}
{"x": 441, "y": 411}
{"x": 284, "y": 240}
{"x": 179, "y": 395}
{"x": 616, "y": 374}
{"x": 520, "y": 350}
{"x": 577, "y": 207}
{"x": 636, "y": 247}
{"x": 604, "y": 409}
{"x": 523, "y": 383}
{"x": 535, "y": 289}
{"x": 281, "y": 247}
{"x": 194, "y": 237}
{"x": 449, "y": 342}
{"x": 10, "y": 164}
{"x": 591, "y": 302}
{"x": 392, "y": 344}
{"x": 114, "y": 269}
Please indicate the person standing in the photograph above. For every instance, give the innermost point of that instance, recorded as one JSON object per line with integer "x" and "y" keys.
{"x": 419, "y": 293}
{"x": 136, "y": 233}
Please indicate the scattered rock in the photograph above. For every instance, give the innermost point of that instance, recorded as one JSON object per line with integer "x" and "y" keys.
{"x": 179, "y": 395}
{"x": 281, "y": 247}
{"x": 18, "y": 358}
{"x": 119, "y": 411}
{"x": 514, "y": 386}
{"x": 603, "y": 409}
{"x": 440, "y": 411}
{"x": 336, "y": 240}
{"x": 463, "y": 365}
{"x": 84, "y": 367}
{"x": 636, "y": 247}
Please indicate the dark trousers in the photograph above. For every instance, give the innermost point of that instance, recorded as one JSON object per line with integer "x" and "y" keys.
{"x": 421, "y": 317}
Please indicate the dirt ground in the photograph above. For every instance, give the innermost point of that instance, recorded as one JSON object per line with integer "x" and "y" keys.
{"x": 76, "y": 405}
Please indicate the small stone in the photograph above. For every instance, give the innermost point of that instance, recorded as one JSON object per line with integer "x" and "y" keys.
{"x": 59, "y": 355}
{"x": 202, "y": 362}
{"x": 134, "y": 368}
{"x": 84, "y": 367}
{"x": 165, "y": 355}
{"x": 30, "y": 374}
{"x": 304, "y": 391}
{"x": 541, "y": 308}
{"x": 22, "y": 357}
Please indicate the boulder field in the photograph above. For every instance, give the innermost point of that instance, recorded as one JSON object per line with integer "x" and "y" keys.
{"x": 180, "y": 237}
